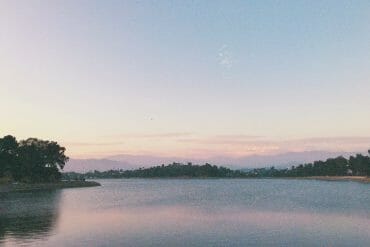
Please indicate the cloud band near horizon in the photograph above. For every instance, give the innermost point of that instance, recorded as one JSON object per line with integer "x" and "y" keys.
{"x": 201, "y": 146}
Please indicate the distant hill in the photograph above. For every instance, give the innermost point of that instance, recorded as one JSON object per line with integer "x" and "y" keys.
{"x": 125, "y": 162}
{"x": 286, "y": 160}
{"x": 85, "y": 165}
{"x": 252, "y": 161}
{"x": 358, "y": 165}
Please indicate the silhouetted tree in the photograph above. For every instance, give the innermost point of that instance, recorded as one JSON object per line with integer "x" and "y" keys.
{"x": 8, "y": 155}
{"x": 31, "y": 160}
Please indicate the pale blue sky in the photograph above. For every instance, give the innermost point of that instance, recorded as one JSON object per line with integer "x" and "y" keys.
{"x": 168, "y": 77}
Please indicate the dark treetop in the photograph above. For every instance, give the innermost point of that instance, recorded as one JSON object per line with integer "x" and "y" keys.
{"x": 32, "y": 160}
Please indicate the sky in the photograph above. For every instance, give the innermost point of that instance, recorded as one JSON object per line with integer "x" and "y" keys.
{"x": 186, "y": 78}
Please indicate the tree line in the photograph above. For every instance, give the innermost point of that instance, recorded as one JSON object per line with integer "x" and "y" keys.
{"x": 31, "y": 160}
{"x": 358, "y": 165}
{"x": 163, "y": 171}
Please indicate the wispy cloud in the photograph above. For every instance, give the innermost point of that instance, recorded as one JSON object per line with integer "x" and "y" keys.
{"x": 225, "y": 58}
{"x": 183, "y": 144}
{"x": 91, "y": 144}
{"x": 245, "y": 145}
{"x": 154, "y": 135}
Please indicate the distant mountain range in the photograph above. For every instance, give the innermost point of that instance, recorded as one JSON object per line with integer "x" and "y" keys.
{"x": 126, "y": 162}
{"x": 85, "y": 165}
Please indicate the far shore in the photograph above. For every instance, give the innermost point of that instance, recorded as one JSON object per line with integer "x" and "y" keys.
{"x": 15, "y": 187}
{"x": 360, "y": 179}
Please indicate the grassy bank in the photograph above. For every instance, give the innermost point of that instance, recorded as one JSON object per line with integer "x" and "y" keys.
{"x": 46, "y": 186}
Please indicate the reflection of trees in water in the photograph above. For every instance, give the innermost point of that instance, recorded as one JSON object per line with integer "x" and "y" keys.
{"x": 28, "y": 215}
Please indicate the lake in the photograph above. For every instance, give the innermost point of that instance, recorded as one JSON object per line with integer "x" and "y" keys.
{"x": 190, "y": 212}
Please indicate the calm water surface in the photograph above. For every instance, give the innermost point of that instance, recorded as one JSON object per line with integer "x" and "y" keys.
{"x": 204, "y": 212}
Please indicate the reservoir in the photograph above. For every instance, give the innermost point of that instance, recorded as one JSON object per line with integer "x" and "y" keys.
{"x": 190, "y": 212}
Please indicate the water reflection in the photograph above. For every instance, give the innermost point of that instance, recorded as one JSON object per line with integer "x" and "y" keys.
{"x": 190, "y": 213}
{"x": 190, "y": 226}
{"x": 28, "y": 215}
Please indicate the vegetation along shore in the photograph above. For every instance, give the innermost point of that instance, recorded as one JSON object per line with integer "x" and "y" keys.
{"x": 46, "y": 186}
{"x": 355, "y": 168}
{"x": 37, "y": 164}
{"x": 33, "y": 164}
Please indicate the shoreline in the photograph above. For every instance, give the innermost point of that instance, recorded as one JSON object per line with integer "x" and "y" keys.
{"x": 360, "y": 179}
{"x": 19, "y": 187}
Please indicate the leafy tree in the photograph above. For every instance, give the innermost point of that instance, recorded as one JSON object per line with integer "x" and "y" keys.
{"x": 31, "y": 160}
{"x": 41, "y": 160}
{"x": 8, "y": 155}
